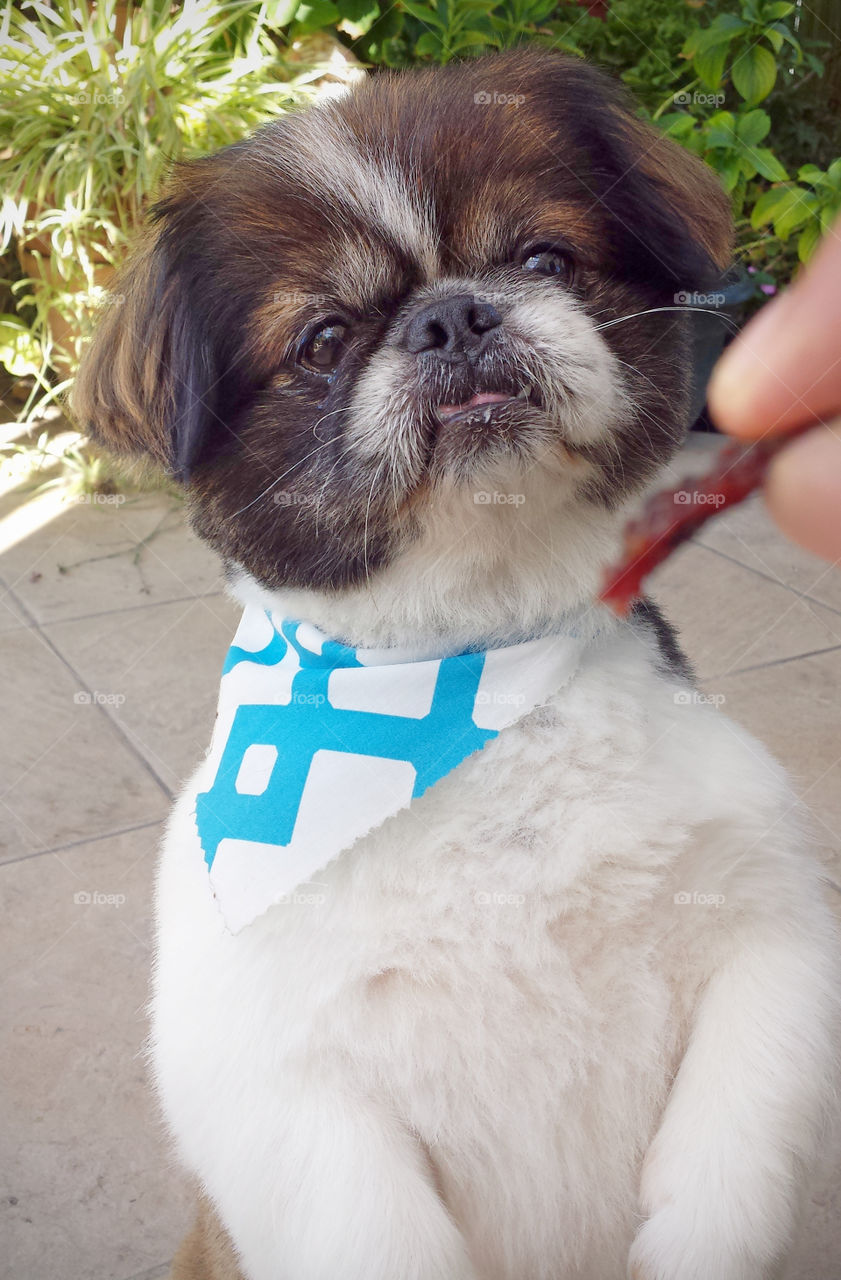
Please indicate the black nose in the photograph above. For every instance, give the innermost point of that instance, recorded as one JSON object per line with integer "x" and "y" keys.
{"x": 451, "y": 326}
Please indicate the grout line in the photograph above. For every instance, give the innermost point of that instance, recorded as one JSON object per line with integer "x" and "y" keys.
{"x": 102, "y": 613}
{"x": 767, "y": 577}
{"x": 773, "y": 662}
{"x": 154, "y": 1273}
{"x": 138, "y": 755}
{"x": 74, "y": 844}
{"x": 132, "y": 608}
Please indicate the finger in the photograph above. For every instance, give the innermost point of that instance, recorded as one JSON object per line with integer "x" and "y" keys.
{"x": 803, "y": 490}
{"x": 784, "y": 369}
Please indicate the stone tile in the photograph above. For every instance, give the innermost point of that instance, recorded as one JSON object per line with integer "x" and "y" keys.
{"x": 794, "y": 709}
{"x": 88, "y": 1190}
{"x": 78, "y": 558}
{"x": 165, "y": 663}
{"x": 749, "y": 535}
{"x": 729, "y": 618}
{"x": 11, "y": 614}
{"x": 67, "y": 773}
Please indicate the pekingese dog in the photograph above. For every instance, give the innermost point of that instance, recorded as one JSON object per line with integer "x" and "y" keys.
{"x": 486, "y": 950}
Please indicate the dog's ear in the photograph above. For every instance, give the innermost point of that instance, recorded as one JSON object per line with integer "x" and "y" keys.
{"x": 147, "y": 384}
{"x": 673, "y": 215}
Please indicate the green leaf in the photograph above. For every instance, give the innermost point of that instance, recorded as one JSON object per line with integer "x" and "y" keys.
{"x": 753, "y": 126}
{"x": 776, "y": 10}
{"x": 770, "y": 204}
{"x": 709, "y": 65}
{"x": 729, "y": 172}
{"x": 754, "y": 73}
{"x": 811, "y": 173}
{"x": 808, "y": 241}
{"x": 20, "y": 352}
{"x": 424, "y": 14}
{"x": 428, "y": 45}
{"x": 767, "y": 164}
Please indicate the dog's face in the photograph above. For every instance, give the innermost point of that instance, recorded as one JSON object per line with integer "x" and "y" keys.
{"x": 378, "y": 338}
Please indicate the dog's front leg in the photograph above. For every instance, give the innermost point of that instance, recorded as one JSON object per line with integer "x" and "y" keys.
{"x": 336, "y": 1188}
{"x": 719, "y": 1183}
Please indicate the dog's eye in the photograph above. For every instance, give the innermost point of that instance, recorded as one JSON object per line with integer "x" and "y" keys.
{"x": 548, "y": 260}
{"x": 322, "y": 350}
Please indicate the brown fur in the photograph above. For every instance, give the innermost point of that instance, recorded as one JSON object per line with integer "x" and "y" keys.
{"x": 206, "y": 1253}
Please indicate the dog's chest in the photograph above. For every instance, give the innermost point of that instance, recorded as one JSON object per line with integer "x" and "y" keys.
{"x": 486, "y": 967}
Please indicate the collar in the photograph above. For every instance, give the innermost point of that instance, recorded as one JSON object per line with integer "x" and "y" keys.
{"x": 317, "y": 743}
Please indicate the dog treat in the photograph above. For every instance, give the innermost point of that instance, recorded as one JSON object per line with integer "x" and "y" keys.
{"x": 672, "y": 516}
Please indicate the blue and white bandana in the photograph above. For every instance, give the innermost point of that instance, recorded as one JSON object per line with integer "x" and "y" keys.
{"x": 316, "y": 744}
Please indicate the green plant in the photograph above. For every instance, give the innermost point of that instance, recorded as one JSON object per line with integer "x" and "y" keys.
{"x": 97, "y": 101}
{"x": 809, "y": 207}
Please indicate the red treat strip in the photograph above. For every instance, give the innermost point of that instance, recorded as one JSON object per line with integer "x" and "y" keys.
{"x": 670, "y": 517}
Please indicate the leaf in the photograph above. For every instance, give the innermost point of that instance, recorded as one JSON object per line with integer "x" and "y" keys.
{"x": 754, "y": 73}
{"x": 20, "y": 352}
{"x": 709, "y": 65}
{"x": 771, "y": 204}
{"x": 753, "y": 126}
{"x": 775, "y": 10}
{"x": 428, "y": 45}
{"x": 424, "y": 14}
{"x": 807, "y": 241}
{"x": 767, "y": 164}
{"x": 729, "y": 172}
{"x": 812, "y": 174}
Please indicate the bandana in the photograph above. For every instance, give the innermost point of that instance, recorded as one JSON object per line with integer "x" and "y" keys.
{"x": 316, "y": 744}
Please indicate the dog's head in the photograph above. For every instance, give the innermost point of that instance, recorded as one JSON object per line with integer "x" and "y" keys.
{"x": 386, "y": 345}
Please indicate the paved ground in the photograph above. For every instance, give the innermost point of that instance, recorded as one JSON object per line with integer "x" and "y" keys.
{"x": 113, "y": 630}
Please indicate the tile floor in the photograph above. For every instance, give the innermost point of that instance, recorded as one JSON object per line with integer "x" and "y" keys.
{"x": 113, "y": 627}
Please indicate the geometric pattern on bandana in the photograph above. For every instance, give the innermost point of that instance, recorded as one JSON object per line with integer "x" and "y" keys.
{"x": 317, "y": 743}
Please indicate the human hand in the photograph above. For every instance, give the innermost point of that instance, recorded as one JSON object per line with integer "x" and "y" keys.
{"x": 782, "y": 372}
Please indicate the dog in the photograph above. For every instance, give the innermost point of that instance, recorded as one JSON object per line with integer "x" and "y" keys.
{"x": 569, "y": 1009}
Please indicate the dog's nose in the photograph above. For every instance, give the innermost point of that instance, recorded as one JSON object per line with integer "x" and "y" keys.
{"x": 451, "y": 326}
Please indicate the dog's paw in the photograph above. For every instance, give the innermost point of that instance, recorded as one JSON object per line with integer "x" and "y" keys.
{"x": 676, "y": 1244}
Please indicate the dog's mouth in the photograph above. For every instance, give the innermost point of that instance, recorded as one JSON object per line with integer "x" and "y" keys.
{"x": 483, "y": 406}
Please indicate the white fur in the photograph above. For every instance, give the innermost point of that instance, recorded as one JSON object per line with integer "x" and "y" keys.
{"x": 494, "y": 1023}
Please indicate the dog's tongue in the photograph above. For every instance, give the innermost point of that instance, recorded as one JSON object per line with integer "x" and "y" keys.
{"x": 481, "y": 397}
